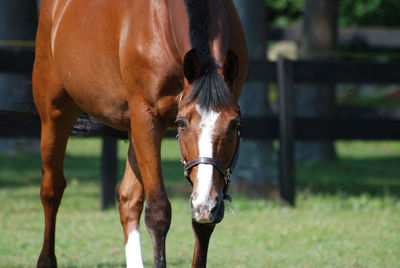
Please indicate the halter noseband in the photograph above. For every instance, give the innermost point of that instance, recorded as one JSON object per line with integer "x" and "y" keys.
{"x": 226, "y": 172}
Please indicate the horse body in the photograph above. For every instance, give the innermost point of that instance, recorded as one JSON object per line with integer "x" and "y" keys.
{"x": 128, "y": 64}
{"x": 114, "y": 51}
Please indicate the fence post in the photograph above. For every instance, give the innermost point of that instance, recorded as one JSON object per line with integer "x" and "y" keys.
{"x": 286, "y": 130}
{"x": 108, "y": 172}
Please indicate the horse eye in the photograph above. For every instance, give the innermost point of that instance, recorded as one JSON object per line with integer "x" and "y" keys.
{"x": 181, "y": 122}
{"x": 234, "y": 125}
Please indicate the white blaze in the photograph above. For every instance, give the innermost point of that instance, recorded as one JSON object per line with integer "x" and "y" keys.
{"x": 205, "y": 171}
{"x": 133, "y": 251}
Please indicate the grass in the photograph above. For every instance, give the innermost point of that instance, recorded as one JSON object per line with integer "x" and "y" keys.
{"x": 347, "y": 214}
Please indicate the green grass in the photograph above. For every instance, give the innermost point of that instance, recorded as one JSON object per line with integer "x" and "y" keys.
{"x": 363, "y": 168}
{"x": 347, "y": 214}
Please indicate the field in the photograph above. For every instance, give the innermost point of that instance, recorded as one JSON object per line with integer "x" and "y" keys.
{"x": 347, "y": 214}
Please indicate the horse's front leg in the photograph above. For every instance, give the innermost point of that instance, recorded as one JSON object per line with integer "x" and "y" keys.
{"x": 131, "y": 198}
{"x": 202, "y": 234}
{"x": 146, "y": 136}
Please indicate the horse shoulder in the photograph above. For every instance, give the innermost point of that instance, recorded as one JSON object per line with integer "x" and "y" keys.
{"x": 150, "y": 62}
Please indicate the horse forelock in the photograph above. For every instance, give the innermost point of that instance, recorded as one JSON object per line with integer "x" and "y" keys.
{"x": 209, "y": 89}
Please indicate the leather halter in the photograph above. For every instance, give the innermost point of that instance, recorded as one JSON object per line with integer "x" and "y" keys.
{"x": 226, "y": 172}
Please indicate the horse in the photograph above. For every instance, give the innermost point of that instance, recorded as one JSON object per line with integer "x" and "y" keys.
{"x": 143, "y": 67}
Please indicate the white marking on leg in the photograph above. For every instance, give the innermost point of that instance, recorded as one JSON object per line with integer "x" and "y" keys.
{"x": 133, "y": 250}
{"x": 205, "y": 171}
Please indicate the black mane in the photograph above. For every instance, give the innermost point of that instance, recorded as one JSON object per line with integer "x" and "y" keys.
{"x": 210, "y": 90}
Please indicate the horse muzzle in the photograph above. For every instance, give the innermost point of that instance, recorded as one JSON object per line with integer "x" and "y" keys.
{"x": 207, "y": 212}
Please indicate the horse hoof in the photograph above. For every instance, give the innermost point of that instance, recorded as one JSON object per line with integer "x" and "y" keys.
{"x": 46, "y": 261}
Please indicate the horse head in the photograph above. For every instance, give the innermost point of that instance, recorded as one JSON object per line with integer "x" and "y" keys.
{"x": 208, "y": 127}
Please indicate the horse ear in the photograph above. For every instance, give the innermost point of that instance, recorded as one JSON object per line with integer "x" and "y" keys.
{"x": 191, "y": 65}
{"x": 230, "y": 66}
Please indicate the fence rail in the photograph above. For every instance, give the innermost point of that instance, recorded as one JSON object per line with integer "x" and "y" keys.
{"x": 365, "y": 37}
{"x": 285, "y": 126}
{"x": 328, "y": 71}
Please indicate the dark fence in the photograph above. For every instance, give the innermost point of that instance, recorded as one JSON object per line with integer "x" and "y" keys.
{"x": 362, "y": 37}
{"x": 285, "y": 126}
{"x": 286, "y": 73}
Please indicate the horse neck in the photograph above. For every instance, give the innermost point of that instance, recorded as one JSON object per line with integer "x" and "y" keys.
{"x": 218, "y": 27}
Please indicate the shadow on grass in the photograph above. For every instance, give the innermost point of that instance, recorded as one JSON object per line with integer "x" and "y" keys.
{"x": 375, "y": 176}
{"x": 378, "y": 176}
{"x": 25, "y": 170}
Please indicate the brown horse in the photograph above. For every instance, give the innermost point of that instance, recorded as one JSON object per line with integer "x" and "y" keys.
{"x": 143, "y": 66}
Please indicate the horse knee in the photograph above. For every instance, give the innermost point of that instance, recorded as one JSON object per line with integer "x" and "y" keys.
{"x": 130, "y": 207}
{"x": 51, "y": 191}
{"x": 122, "y": 195}
{"x": 158, "y": 216}
{"x": 131, "y": 204}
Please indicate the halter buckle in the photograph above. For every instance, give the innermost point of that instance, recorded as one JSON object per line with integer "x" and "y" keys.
{"x": 228, "y": 176}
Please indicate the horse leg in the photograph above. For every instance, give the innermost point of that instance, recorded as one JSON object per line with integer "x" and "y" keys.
{"x": 131, "y": 198}
{"x": 58, "y": 113}
{"x": 55, "y": 133}
{"x": 202, "y": 234}
{"x": 146, "y": 135}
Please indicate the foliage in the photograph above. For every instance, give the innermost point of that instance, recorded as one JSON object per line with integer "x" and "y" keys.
{"x": 282, "y": 13}
{"x": 346, "y": 214}
{"x": 369, "y": 13}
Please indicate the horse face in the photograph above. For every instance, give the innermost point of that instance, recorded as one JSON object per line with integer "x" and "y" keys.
{"x": 211, "y": 134}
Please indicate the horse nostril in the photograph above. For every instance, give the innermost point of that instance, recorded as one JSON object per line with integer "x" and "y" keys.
{"x": 215, "y": 208}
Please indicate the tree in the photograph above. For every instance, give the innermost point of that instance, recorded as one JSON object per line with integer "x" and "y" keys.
{"x": 370, "y": 12}
{"x": 18, "y": 21}
{"x": 282, "y": 13}
{"x": 318, "y": 41}
{"x": 257, "y": 160}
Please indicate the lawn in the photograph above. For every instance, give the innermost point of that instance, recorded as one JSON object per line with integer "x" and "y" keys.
{"x": 347, "y": 214}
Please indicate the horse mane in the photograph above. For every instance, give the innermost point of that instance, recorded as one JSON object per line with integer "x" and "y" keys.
{"x": 210, "y": 90}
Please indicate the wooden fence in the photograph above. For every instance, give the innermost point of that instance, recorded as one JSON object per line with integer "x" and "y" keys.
{"x": 285, "y": 126}
{"x": 362, "y": 37}
{"x": 287, "y": 73}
